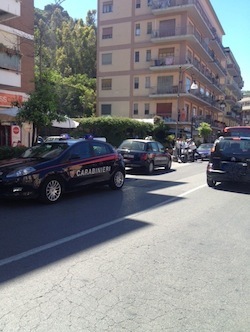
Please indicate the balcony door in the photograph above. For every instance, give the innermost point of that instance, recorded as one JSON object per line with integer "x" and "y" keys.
{"x": 167, "y": 28}
{"x": 164, "y": 84}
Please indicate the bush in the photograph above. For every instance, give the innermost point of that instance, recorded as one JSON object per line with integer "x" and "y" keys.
{"x": 7, "y": 152}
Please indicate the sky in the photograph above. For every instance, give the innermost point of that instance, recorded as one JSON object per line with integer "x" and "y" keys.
{"x": 233, "y": 16}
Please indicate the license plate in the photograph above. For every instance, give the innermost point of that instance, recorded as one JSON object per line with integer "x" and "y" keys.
{"x": 128, "y": 156}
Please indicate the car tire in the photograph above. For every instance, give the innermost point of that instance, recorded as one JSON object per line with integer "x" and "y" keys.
{"x": 117, "y": 180}
{"x": 150, "y": 168}
{"x": 211, "y": 183}
{"x": 51, "y": 190}
{"x": 169, "y": 165}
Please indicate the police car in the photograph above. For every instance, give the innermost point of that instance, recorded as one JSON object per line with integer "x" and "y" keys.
{"x": 47, "y": 170}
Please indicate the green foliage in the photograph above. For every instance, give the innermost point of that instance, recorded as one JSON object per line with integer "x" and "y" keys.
{"x": 42, "y": 106}
{"x": 114, "y": 129}
{"x": 205, "y": 130}
{"x": 160, "y": 131}
{"x": 7, "y": 152}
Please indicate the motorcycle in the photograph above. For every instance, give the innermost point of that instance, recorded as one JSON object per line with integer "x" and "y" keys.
{"x": 187, "y": 155}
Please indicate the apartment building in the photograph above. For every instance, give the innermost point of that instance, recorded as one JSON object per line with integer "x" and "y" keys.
{"x": 16, "y": 67}
{"x": 166, "y": 58}
{"x": 245, "y": 108}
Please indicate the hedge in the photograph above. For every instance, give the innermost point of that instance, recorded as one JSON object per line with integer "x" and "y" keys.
{"x": 7, "y": 152}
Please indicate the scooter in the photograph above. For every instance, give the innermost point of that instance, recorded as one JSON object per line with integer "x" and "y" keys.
{"x": 186, "y": 155}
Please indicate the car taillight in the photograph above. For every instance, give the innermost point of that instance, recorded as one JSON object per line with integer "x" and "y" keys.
{"x": 144, "y": 156}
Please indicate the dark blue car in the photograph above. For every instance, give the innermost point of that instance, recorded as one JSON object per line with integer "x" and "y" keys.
{"x": 49, "y": 169}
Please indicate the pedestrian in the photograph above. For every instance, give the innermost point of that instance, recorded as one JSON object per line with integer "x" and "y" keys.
{"x": 192, "y": 146}
{"x": 178, "y": 147}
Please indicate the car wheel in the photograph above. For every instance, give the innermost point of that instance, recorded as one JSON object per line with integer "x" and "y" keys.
{"x": 117, "y": 180}
{"x": 150, "y": 168}
{"x": 211, "y": 183}
{"x": 52, "y": 190}
{"x": 169, "y": 165}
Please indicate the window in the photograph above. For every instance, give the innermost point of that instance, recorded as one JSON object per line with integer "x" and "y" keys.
{"x": 80, "y": 151}
{"x": 107, "y": 59}
{"x": 149, "y": 3}
{"x": 100, "y": 149}
{"x": 146, "y": 109}
{"x": 135, "y": 109}
{"x": 137, "y": 29}
{"x": 148, "y": 55}
{"x": 136, "y": 83}
{"x": 106, "y": 109}
{"x": 107, "y": 33}
{"x": 149, "y": 28}
{"x": 138, "y": 4}
{"x": 107, "y": 84}
{"x": 147, "y": 82}
{"x": 137, "y": 56}
{"x": 107, "y": 7}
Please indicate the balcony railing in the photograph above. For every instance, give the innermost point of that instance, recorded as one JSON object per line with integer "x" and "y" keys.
{"x": 10, "y": 59}
{"x": 166, "y": 91}
{"x": 9, "y": 9}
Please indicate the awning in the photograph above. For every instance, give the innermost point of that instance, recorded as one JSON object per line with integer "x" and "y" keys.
{"x": 67, "y": 123}
{"x": 9, "y": 114}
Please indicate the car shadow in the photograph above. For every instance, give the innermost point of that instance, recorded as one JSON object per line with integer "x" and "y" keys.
{"x": 234, "y": 187}
{"x": 141, "y": 171}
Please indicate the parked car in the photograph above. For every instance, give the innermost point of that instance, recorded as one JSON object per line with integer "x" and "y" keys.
{"x": 49, "y": 169}
{"x": 204, "y": 150}
{"x": 147, "y": 154}
{"x": 229, "y": 161}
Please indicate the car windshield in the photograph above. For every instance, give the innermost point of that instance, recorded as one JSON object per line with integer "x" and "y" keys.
{"x": 234, "y": 147}
{"x": 133, "y": 145}
{"x": 205, "y": 146}
{"x": 45, "y": 151}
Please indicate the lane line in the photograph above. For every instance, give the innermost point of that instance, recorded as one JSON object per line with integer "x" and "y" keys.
{"x": 57, "y": 243}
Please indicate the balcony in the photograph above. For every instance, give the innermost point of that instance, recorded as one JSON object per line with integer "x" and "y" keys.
{"x": 10, "y": 78}
{"x": 195, "y": 12}
{"x": 10, "y": 59}
{"x": 230, "y": 99}
{"x": 9, "y": 9}
{"x": 190, "y": 34}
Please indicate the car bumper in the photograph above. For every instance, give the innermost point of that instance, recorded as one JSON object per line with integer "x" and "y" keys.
{"x": 18, "y": 189}
{"x": 222, "y": 176}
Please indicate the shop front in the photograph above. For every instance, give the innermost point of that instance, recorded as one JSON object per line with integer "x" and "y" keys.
{"x": 11, "y": 133}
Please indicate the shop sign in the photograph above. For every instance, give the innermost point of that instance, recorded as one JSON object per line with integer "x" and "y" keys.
{"x": 7, "y": 99}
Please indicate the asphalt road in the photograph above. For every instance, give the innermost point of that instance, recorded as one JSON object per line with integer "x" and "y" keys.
{"x": 166, "y": 253}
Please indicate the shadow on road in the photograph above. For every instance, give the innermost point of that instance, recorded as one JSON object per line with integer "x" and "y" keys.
{"x": 33, "y": 235}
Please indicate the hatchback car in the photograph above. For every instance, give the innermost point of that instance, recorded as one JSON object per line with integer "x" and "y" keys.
{"x": 229, "y": 161}
{"x": 204, "y": 150}
{"x": 147, "y": 154}
{"x": 48, "y": 170}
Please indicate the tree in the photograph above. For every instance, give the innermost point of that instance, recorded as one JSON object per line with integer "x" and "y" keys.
{"x": 205, "y": 130}
{"x": 42, "y": 107}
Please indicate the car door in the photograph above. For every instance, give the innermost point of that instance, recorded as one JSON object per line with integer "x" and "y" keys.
{"x": 81, "y": 163}
{"x": 162, "y": 157}
{"x": 104, "y": 160}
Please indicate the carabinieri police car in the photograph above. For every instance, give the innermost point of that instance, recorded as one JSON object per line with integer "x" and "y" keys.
{"x": 48, "y": 170}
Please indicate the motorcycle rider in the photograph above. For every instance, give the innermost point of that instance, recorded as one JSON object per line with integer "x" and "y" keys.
{"x": 192, "y": 146}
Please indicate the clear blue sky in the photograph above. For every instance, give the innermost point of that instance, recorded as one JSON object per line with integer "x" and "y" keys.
{"x": 233, "y": 16}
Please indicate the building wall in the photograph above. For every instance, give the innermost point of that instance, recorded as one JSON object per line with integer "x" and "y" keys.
{"x": 17, "y": 67}
{"x": 192, "y": 30}
{"x": 24, "y": 32}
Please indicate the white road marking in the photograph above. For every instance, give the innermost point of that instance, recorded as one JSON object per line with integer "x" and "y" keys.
{"x": 88, "y": 231}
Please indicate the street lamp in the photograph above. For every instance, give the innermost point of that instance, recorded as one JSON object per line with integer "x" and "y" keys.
{"x": 194, "y": 86}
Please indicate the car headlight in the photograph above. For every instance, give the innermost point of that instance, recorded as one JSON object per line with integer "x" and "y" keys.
{"x": 20, "y": 172}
